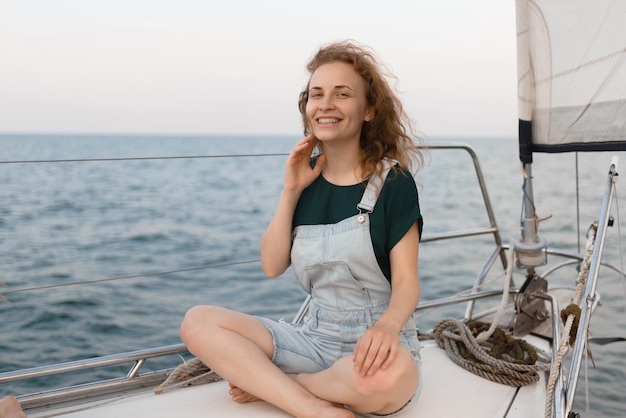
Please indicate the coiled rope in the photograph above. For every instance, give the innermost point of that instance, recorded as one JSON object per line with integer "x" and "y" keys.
{"x": 501, "y": 358}
{"x": 489, "y": 352}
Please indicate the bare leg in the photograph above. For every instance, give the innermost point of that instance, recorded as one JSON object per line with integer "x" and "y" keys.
{"x": 239, "y": 348}
{"x": 10, "y": 408}
{"x": 383, "y": 393}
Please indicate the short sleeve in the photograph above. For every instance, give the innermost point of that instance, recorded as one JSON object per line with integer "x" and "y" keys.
{"x": 401, "y": 207}
{"x": 396, "y": 210}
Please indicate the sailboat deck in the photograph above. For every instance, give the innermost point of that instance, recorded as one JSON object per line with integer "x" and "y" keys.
{"x": 448, "y": 390}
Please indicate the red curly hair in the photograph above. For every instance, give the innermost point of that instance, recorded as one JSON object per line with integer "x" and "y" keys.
{"x": 389, "y": 133}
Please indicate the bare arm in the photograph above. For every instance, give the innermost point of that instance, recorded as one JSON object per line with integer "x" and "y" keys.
{"x": 379, "y": 345}
{"x": 276, "y": 241}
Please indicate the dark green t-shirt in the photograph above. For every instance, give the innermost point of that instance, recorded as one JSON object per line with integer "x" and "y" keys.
{"x": 397, "y": 208}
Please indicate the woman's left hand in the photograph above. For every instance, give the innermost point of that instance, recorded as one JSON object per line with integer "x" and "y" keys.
{"x": 377, "y": 347}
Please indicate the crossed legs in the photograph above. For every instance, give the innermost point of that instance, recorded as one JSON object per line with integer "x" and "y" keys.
{"x": 239, "y": 348}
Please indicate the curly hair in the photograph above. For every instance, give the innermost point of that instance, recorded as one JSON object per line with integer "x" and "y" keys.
{"x": 389, "y": 133}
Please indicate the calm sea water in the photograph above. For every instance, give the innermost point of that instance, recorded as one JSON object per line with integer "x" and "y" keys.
{"x": 67, "y": 222}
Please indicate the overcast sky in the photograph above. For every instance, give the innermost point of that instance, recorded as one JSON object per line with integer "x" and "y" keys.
{"x": 237, "y": 66}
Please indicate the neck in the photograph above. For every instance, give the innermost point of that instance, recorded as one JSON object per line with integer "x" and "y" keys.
{"x": 343, "y": 166}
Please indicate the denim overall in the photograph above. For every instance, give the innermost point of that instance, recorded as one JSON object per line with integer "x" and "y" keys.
{"x": 336, "y": 264}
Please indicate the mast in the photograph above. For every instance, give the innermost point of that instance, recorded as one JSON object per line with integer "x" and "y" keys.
{"x": 530, "y": 248}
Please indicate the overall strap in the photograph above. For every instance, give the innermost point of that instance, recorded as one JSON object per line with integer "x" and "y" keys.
{"x": 374, "y": 186}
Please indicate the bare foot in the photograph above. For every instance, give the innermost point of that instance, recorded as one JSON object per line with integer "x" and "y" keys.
{"x": 240, "y": 395}
{"x": 10, "y": 408}
{"x": 322, "y": 408}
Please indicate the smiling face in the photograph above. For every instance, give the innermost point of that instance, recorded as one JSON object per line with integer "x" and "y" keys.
{"x": 337, "y": 106}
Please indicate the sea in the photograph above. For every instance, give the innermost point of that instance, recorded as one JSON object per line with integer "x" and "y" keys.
{"x": 107, "y": 240}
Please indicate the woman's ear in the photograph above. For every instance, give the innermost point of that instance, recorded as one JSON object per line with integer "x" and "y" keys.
{"x": 369, "y": 114}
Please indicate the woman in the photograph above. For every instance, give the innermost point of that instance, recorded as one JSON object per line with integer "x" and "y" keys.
{"x": 348, "y": 221}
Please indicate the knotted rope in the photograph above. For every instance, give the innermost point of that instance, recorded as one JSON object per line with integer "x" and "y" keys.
{"x": 192, "y": 372}
{"x": 500, "y": 358}
{"x": 487, "y": 351}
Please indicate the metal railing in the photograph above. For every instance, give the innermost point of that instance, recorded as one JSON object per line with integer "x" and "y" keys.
{"x": 588, "y": 302}
{"x": 132, "y": 380}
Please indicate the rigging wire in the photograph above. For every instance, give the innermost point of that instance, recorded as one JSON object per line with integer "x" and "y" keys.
{"x": 525, "y": 197}
{"x": 134, "y": 276}
{"x": 110, "y": 279}
{"x": 577, "y": 203}
{"x": 175, "y": 157}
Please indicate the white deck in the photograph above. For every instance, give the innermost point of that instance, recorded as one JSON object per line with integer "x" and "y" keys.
{"x": 448, "y": 391}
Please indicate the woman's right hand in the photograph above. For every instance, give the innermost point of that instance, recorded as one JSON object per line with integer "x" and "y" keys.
{"x": 276, "y": 241}
{"x": 298, "y": 172}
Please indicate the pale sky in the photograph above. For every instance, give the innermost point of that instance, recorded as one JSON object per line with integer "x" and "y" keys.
{"x": 237, "y": 66}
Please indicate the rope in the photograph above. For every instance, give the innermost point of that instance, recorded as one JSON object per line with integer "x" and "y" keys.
{"x": 193, "y": 372}
{"x": 487, "y": 351}
{"x": 501, "y": 358}
{"x": 572, "y": 315}
{"x": 484, "y": 336}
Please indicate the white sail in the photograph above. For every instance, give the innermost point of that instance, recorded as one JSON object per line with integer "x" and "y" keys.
{"x": 571, "y": 75}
